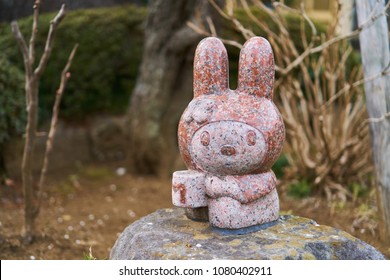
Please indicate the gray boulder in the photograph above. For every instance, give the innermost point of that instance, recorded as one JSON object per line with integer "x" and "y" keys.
{"x": 169, "y": 234}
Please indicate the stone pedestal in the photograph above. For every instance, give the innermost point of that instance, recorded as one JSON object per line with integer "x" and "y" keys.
{"x": 169, "y": 234}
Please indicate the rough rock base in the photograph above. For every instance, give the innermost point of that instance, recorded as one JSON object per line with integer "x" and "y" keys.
{"x": 169, "y": 234}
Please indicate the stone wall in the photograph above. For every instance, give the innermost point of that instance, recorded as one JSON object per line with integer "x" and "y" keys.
{"x": 99, "y": 139}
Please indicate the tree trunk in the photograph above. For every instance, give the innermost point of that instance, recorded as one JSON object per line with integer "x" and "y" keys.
{"x": 30, "y": 210}
{"x": 374, "y": 45}
{"x": 164, "y": 85}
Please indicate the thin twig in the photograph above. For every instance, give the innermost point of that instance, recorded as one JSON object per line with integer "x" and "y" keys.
{"x": 49, "y": 41}
{"x": 377, "y": 120}
{"x": 65, "y": 75}
{"x": 204, "y": 32}
{"x": 300, "y": 12}
{"x": 247, "y": 33}
{"x": 197, "y": 29}
{"x": 211, "y": 26}
{"x": 22, "y": 46}
{"x": 348, "y": 87}
{"x": 34, "y": 31}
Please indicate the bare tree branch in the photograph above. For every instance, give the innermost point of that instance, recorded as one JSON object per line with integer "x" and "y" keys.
{"x": 204, "y": 32}
{"x": 247, "y": 33}
{"x": 20, "y": 39}
{"x": 65, "y": 76}
{"x": 360, "y": 82}
{"x": 49, "y": 41}
{"x": 25, "y": 53}
{"x": 211, "y": 26}
{"x": 34, "y": 31}
{"x": 377, "y": 120}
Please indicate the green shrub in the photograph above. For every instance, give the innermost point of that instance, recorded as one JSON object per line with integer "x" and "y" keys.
{"x": 300, "y": 189}
{"x": 105, "y": 66}
{"x": 358, "y": 190}
{"x": 12, "y": 102}
{"x": 279, "y": 165}
{"x": 12, "y": 105}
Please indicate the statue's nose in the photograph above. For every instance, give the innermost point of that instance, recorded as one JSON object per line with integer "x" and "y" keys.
{"x": 228, "y": 150}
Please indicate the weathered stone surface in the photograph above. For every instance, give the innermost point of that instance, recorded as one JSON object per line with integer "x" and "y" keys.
{"x": 169, "y": 234}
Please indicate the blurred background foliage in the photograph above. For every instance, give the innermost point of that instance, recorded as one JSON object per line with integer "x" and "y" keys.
{"x": 105, "y": 68}
{"x": 106, "y": 65}
{"x": 12, "y": 111}
{"x": 110, "y": 52}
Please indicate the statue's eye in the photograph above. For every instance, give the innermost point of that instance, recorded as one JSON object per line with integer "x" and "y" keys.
{"x": 251, "y": 138}
{"x": 205, "y": 138}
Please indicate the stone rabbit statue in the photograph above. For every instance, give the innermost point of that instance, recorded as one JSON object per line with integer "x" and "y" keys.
{"x": 229, "y": 139}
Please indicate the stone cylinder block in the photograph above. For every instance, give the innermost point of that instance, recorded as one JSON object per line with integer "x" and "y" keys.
{"x": 188, "y": 189}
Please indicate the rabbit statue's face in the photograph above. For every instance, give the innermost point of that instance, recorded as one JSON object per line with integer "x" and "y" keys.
{"x": 228, "y": 148}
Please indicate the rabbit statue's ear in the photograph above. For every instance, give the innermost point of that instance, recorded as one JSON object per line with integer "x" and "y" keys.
{"x": 210, "y": 67}
{"x": 256, "y": 72}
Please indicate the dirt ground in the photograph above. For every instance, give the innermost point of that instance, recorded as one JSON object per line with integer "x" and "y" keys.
{"x": 85, "y": 210}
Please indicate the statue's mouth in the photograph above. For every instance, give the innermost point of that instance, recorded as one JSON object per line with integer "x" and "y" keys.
{"x": 228, "y": 150}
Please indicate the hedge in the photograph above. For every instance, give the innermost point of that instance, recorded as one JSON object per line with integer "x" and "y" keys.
{"x": 12, "y": 105}
{"x": 105, "y": 67}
